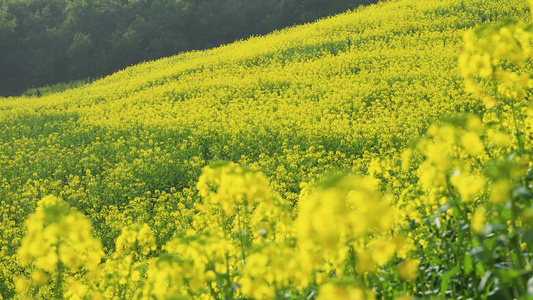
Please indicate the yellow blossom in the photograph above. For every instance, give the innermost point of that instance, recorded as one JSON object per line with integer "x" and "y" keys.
{"x": 478, "y": 220}
{"x": 408, "y": 269}
{"x": 500, "y": 192}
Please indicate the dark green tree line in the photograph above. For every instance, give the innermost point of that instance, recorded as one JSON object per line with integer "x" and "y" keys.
{"x": 44, "y": 42}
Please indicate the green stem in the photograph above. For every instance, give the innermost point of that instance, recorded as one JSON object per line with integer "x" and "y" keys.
{"x": 58, "y": 289}
{"x": 229, "y": 292}
{"x": 240, "y": 232}
{"x": 515, "y": 243}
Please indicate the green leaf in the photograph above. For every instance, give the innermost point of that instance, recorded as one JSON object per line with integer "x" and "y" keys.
{"x": 468, "y": 264}
{"x": 446, "y": 279}
{"x": 509, "y": 275}
{"x": 480, "y": 269}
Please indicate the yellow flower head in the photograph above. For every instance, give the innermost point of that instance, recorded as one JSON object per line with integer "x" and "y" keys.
{"x": 478, "y": 220}
{"x": 408, "y": 269}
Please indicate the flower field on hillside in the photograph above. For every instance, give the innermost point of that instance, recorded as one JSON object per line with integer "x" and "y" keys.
{"x": 381, "y": 153}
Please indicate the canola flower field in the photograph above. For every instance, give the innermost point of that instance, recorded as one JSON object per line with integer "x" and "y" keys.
{"x": 384, "y": 153}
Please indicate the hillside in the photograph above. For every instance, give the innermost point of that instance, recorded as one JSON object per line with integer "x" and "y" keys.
{"x": 49, "y": 41}
{"x": 295, "y": 105}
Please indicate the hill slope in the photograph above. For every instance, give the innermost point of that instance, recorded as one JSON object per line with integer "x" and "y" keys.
{"x": 295, "y": 105}
{"x": 359, "y": 84}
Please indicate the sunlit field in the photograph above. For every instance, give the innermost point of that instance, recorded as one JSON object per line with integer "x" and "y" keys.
{"x": 383, "y": 153}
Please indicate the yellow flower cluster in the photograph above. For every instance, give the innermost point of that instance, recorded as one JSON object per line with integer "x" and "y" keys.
{"x": 332, "y": 291}
{"x": 134, "y": 154}
{"x": 487, "y": 54}
{"x": 58, "y": 240}
{"x": 138, "y": 238}
{"x": 232, "y": 189}
{"x": 333, "y": 219}
{"x": 452, "y": 156}
{"x": 253, "y": 249}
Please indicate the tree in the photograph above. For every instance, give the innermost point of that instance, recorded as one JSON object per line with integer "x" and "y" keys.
{"x": 48, "y": 41}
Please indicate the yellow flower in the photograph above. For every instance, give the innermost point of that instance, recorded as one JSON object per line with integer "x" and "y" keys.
{"x": 39, "y": 277}
{"x": 47, "y": 262}
{"x": 403, "y": 246}
{"x": 478, "y": 220}
{"x": 468, "y": 185}
{"x": 382, "y": 250}
{"x": 406, "y": 156}
{"x": 500, "y": 192}
{"x": 137, "y": 238}
{"x": 472, "y": 144}
{"x": 489, "y": 102}
{"x": 22, "y": 285}
{"x": 485, "y": 66}
{"x": 502, "y": 140}
{"x": 408, "y": 269}
{"x": 330, "y": 291}
{"x": 365, "y": 264}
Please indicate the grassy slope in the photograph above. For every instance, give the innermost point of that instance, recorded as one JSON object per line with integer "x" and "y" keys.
{"x": 294, "y": 104}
